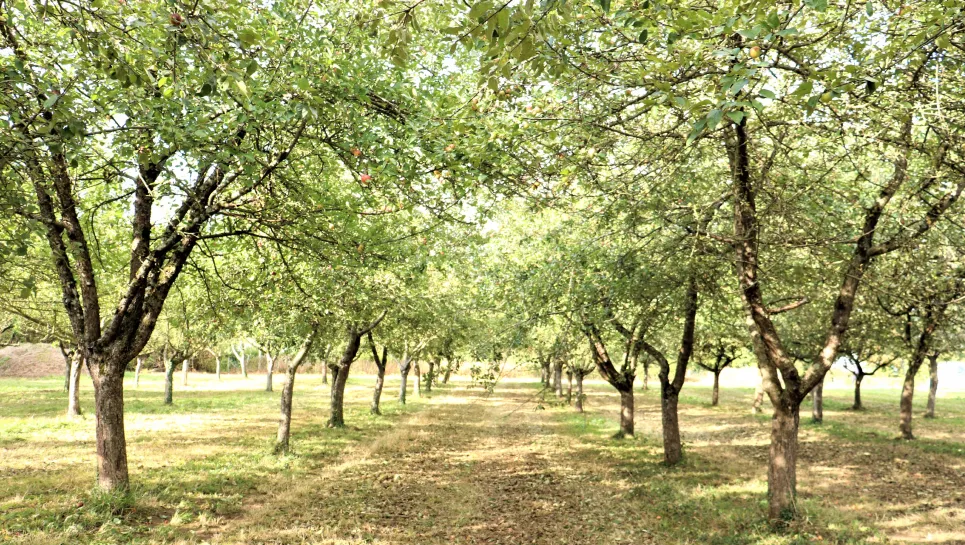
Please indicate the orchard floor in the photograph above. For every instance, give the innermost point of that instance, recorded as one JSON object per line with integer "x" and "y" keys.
{"x": 459, "y": 466}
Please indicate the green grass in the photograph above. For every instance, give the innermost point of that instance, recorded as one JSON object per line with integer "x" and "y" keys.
{"x": 195, "y": 461}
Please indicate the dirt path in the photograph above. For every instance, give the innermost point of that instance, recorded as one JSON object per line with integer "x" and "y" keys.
{"x": 466, "y": 470}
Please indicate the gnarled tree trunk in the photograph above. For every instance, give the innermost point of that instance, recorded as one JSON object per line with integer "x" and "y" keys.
{"x": 670, "y": 422}
{"x": 626, "y": 412}
{"x": 715, "y": 399}
{"x": 112, "y": 471}
{"x": 340, "y": 372}
{"x": 380, "y": 364}
{"x": 782, "y": 467}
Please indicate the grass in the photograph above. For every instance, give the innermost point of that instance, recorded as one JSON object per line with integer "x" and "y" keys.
{"x": 464, "y": 467}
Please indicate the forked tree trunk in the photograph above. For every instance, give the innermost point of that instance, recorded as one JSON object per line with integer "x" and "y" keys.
{"x": 672, "y": 449}
{"x": 270, "y": 368}
{"x": 558, "y": 379}
{"x": 137, "y": 372}
{"x": 73, "y": 386}
{"x": 184, "y": 372}
{"x": 782, "y": 468}
{"x": 857, "y": 392}
{"x": 932, "y": 384}
{"x": 716, "y": 395}
{"x": 169, "y": 381}
{"x": 109, "y": 431}
{"x": 579, "y": 392}
{"x": 817, "y": 403}
{"x": 626, "y": 413}
{"x": 340, "y": 372}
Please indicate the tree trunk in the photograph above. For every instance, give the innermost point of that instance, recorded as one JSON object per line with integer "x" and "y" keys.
{"x": 626, "y": 413}
{"x": 558, "y": 379}
{"x": 270, "y": 368}
{"x": 377, "y": 394}
{"x": 337, "y": 418}
{"x": 817, "y": 403}
{"x": 73, "y": 386}
{"x": 111, "y": 444}
{"x": 672, "y": 449}
{"x": 932, "y": 384}
{"x": 244, "y": 366}
{"x": 646, "y": 375}
{"x": 285, "y": 421}
{"x": 445, "y": 377}
{"x": 569, "y": 387}
{"x": 217, "y": 367}
{"x": 758, "y": 398}
{"x": 68, "y": 362}
{"x": 545, "y": 373}
{"x": 782, "y": 468}
{"x": 579, "y": 392}
{"x": 184, "y": 372}
{"x": 404, "y": 372}
{"x": 857, "y": 392}
{"x": 905, "y": 406}
{"x": 418, "y": 380}
{"x": 324, "y": 373}
{"x": 169, "y": 382}
{"x": 137, "y": 372}
{"x": 430, "y": 375}
{"x": 716, "y": 396}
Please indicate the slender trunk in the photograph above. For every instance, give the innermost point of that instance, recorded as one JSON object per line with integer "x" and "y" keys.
{"x": 270, "y": 367}
{"x": 111, "y": 443}
{"x": 646, "y": 375}
{"x": 285, "y": 421}
{"x": 817, "y": 403}
{"x": 418, "y": 380}
{"x": 184, "y": 373}
{"x": 244, "y": 366}
{"x": 217, "y": 367}
{"x": 716, "y": 396}
{"x": 558, "y": 379}
{"x": 569, "y": 387}
{"x": 169, "y": 382}
{"x": 445, "y": 377}
{"x": 337, "y": 419}
{"x": 758, "y": 398}
{"x": 377, "y": 394}
{"x": 545, "y": 373}
{"x": 782, "y": 468}
{"x": 73, "y": 386}
{"x": 579, "y": 392}
{"x": 905, "y": 406}
{"x": 68, "y": 362}
{"x": 672, "y": 449}
{"x": 404, "y": 372}
{"x": 324, "y": 373}
{"x": 857, "y": 392}
{"x": 137, "y": 372}
{"x": 430, "y": 375}
{"x": 626, "y": 413}
{"x": 932, "y": 385}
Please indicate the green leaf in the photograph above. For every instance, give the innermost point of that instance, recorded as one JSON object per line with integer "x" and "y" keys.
{"x": 767, "y": 93}
{"x": 736, "y": 116}
{"x": 737, "y": 86}
{"x": 869, "y": 8}
{"x": 605, "y": 4}
{"x": 817, "y": 5}
{"x": 804, "y": 89}
{"x": 643, "y": 36}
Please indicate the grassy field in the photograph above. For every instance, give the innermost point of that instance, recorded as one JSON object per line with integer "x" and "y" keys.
{"x": 462, "y": 467}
